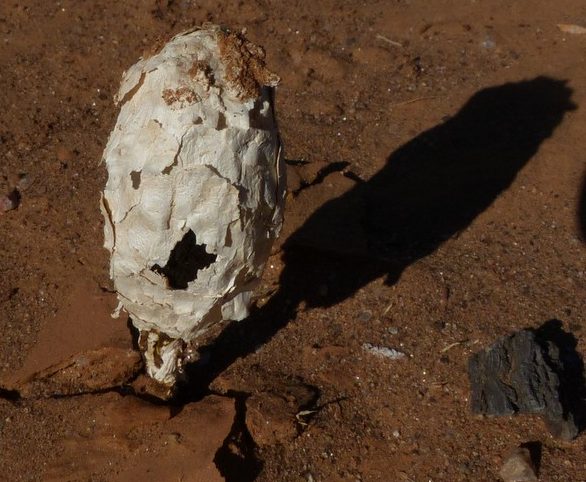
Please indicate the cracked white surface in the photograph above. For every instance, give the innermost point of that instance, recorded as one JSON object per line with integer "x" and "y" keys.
{"x": 187, "y": 154}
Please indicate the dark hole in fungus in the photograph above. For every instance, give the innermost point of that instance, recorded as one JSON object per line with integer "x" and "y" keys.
{"x": 222, "y": 124}
{"x": 135, "y": 178}
{"x": 169, "y": 168}
{"x": 185, "y": 260}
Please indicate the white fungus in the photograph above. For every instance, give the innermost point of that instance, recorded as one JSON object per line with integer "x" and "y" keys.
{"x": 195, "y": 190}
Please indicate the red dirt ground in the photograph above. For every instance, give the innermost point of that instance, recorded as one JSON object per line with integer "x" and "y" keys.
{"x": 437, "y": 201}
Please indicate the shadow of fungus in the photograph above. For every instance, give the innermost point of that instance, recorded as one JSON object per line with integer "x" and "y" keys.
{"x": 430, "y": 189}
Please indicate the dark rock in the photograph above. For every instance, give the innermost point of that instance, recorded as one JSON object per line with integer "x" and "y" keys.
{"x": 530, "y": 372}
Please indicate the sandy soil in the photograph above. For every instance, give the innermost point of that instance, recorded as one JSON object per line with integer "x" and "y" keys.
{"x": 437, "y": 201}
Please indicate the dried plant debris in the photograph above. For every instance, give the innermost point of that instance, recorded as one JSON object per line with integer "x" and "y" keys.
{"x": 530, "y": 372}
{"x": 195, "y": 190}
{"x": 572, "y": 28}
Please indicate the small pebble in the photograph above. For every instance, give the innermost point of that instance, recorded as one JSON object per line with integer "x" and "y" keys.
{"x": 365, "y": 316}
{"x": 488, "y": 43}
{"x": 9, "y": 202}
{"x": 384, "y": 352}
{"x": 24, "y": 182}
{"x": 64, "y": 154}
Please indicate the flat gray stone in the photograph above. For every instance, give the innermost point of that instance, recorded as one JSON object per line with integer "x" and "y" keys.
{"x": 520, "y": 374}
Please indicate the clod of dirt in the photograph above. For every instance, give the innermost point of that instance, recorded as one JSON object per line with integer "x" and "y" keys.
{"x": 143, "y": 441}
{"x": 148, "y": 388}
{"x": 518, "y": 374}
{"x": 279, "y": 408}
{"x": 518, "y": 467}
{"x": 88, "y": 372}
{"x": 64, "y": 154}
{"x": 270, "y": 419}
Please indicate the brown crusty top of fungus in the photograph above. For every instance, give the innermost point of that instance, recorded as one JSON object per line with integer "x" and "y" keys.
{"x": 245, "y": 67}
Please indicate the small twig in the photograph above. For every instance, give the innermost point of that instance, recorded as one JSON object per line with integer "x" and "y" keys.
{"x": 449, "y": 347}
{"x": 304, "y": 413}
{"x": 388, "y": 40}
{"x": 417, "y": 99}
{"x": 462, "y": 342}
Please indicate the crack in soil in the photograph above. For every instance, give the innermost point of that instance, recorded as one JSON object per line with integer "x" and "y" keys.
{"x": 323, "y": 174}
